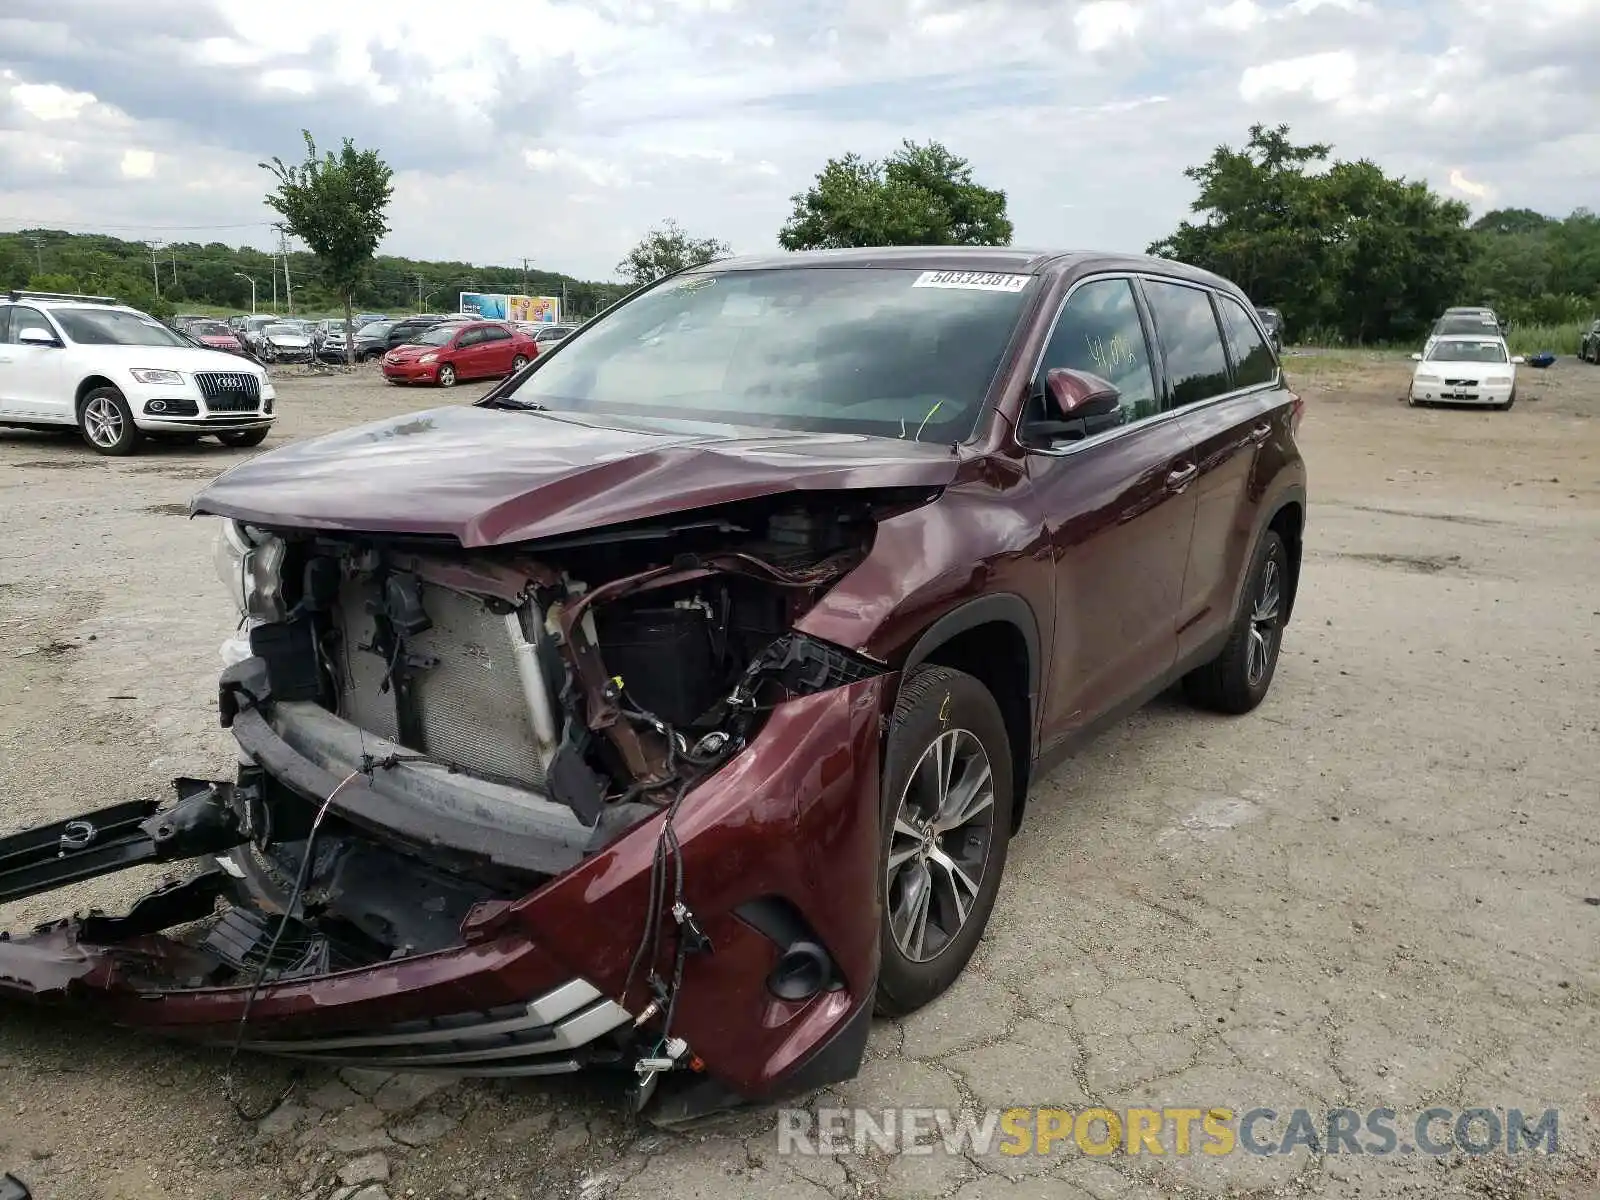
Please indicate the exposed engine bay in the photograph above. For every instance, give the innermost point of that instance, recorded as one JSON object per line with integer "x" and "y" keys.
{"x": 598, "y": 671}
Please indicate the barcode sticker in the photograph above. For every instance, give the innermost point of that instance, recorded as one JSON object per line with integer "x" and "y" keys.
{"x": 972, "y": 281}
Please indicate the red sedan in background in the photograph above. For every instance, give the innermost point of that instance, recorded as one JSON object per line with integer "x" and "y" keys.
{"x": 449, "y": 353}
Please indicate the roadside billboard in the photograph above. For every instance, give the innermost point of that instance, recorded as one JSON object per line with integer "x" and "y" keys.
{"x": 497, "y": 306}
{"x": 489, "y": 306}
{"x": 539, "y": 310}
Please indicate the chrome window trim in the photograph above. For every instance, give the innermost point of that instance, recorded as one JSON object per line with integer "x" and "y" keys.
{"x": 1166, "y": 414}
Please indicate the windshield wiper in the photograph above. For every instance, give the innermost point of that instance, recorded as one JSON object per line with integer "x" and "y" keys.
{"x": 513, "y": 402}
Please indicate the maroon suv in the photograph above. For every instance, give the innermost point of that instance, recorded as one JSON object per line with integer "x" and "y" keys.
{"x": 672, "y": 707}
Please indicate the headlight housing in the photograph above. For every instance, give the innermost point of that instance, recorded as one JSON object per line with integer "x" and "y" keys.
{"x": 250, "y": 566}
{"x": 1426, "y": 379}
{"x": 429, "y": 358}
{"x": 152, "y": 375}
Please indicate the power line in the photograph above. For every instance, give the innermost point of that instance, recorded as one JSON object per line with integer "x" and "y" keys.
{"x": 95, "y": 227}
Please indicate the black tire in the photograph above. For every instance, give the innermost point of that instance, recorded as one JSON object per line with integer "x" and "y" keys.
{"x": 243, "y": 438}
{"x": 1411, "y": 398}
{"x": 939, "y": 705}
{"x": 1238, "y": 678}
{"x": 518, "y": 363}
{"x": 1510, "y": 400}
{"x": 106, "y": 422}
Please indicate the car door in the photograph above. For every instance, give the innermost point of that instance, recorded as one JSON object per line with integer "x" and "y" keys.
{"x": 500, "y": 346}
{"x": 1118, "y": 511}
{"x": 36, "y": 375}
{"x": 467, "y": 353}
{"x": 1225, "y": 385}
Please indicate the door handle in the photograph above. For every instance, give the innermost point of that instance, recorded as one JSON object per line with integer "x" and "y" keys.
{"x": 1261, "y": 432}
{"x": 1181, "y": 478}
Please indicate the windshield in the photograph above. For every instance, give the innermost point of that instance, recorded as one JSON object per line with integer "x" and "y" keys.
{"x": 1474, "y": 352}
{"x": 438, "y": 336}
{"x": 376, "y": 329}
{"x": 282, "y": 331}
{"x": 208, "y": 329}
{"x": 111, "y": 327}
{"x": 1463, "y": 325}
{"x": 887, "y": 352}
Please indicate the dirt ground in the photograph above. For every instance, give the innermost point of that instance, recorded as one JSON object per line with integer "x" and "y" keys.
{"x": 1381, "y": 889}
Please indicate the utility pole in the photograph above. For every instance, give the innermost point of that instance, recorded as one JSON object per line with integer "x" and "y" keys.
{"x": 174, "y": 266}
{"x": 252, "y": 283}
{"x": 283, "y": 249}
{"x": 38, "y": 250}
{"x": 524, "y": 276}
{"x": 155, "y": 266}
{"x": 419, "y": 293}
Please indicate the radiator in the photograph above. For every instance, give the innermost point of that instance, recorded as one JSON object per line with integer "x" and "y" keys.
{"x": 471, "y": 706}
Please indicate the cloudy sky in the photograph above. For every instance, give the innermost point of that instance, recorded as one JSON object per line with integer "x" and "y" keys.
{"x": 561, "y": 131}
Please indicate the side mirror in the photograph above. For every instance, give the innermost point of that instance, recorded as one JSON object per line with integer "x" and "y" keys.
{"x": 1416, "y": 358}
{"x": 1078, "y": 395}
{"x": 1517, "y": 358}
{"x": 1077, "y": 404}
{"x": 37, "y": 337}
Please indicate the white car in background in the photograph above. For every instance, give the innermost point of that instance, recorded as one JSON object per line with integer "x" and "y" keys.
{"x": 120, "y": 375}
{"x": 1465, "y": 370}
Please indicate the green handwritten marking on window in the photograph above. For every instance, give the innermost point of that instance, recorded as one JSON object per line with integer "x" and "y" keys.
{"x": 1111, "y": 354}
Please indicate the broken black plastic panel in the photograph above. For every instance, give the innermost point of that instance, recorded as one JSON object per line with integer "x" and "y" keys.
{"x": 204, "y": 820}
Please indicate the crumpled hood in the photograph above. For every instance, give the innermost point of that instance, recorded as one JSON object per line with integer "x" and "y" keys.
{"x": 490, "y": 476}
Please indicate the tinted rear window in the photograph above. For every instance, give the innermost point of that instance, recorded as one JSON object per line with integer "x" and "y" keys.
{"x": 1197, "y": 366}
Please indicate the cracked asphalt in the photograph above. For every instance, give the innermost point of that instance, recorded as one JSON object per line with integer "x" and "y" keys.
{"x": 1382, "y": 889}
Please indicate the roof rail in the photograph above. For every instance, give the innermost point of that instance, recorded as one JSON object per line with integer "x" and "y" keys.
{"x": 25, "y": 294}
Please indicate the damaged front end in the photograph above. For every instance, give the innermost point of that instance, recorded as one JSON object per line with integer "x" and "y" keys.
{"x": 513, "y": 811}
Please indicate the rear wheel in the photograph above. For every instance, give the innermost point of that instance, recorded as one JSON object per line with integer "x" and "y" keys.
{"x": 243, "y": 437}
{"x": 1238, "y": 678}
{"x": 107, "y": 423}
{"x": 518, "y": 363}
{"x": 946, "y": 826}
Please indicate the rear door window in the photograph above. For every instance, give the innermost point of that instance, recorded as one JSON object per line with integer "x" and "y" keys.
{"x": 1253, "y": 363}
{"x": 1186, "y": 327}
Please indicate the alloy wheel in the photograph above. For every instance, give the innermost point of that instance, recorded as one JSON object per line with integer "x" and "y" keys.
{"x": 1264, "y": 614}
{"x": 102, "y": 421}
{"x": 939, "y": 845}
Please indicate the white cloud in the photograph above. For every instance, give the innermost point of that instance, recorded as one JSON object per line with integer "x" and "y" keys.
{"x": 1103, "y": 23}
{"x": 1329, "y": 77}
{"x": 1468, "y": 187}
{"x": 1237, "y": 16}
{"x": 594, "y": 171}
{"x": 48, "y": 102}
{"x": 138, "y": 164}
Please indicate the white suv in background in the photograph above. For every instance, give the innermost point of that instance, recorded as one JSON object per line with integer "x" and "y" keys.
{"x": 119, "y": 375}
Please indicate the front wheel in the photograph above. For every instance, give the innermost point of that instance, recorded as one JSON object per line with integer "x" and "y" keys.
{"x": 946, "y": 828}
{"x": 1510, "y": 400}
{"x": 240, "y": 438}
{"x": 447, "y": 376}
{"x": 107, "y": 423}
{"x": 1238, "y": 678}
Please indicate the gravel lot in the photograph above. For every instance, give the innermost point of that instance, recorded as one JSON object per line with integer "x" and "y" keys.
{"x": 1371, "y": 892}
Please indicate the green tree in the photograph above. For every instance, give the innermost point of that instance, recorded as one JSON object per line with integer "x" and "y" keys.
{"x": 918, "y": 196}
{"x": 53, "y": 281}
{"x": 665, "y": 250}
{"x": 335, "y": 205}
{"x": 1345, "y": 248}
